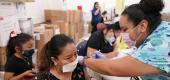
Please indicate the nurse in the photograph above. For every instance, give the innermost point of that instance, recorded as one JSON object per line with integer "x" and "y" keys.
{"x": 152, "y": 35}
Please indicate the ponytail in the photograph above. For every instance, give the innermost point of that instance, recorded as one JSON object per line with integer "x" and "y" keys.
{"x": 16, "y": 40}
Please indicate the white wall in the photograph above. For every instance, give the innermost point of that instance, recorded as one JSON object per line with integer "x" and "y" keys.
{"x": 167, "y": 6}
{"x": 88, "y": 4}
{"x": 36, "y": 9}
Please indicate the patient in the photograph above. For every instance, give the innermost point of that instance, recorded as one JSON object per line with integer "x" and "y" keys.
{"x": 59, "y": 60}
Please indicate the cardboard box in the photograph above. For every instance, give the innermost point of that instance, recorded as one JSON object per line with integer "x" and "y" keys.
{"x": 55, "y": 28}
{"x": 78, "y": 17}
{"x": 56, "y": 16}
{"x": 75, "y": 16}
{"x": 2, "y": 56}
{"x": 43, "y": 38}
{"x": 64, "y": 28}
{"x": 2, "y": 50}
{"x": 89, "y": 27}
{"x": 166, "y": 17}
{"x": 39, "y": 29}
{"x": 73, "y": 29}
{"x": 81, "y": 29}
{"x": 71, "y": 16}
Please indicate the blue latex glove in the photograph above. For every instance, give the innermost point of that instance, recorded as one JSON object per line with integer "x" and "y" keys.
{"x": 98, "y": 55}
{"x": 80, "y": 59}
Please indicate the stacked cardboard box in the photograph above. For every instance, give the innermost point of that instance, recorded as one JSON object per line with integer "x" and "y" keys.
{"x": 70, "y": 22}
{"x": 44, "y": 33}
{"x": 2, "y": 56}
{"x": 56, "y": 15}
{"x": 89, "y": 27}
{"x": 166, "y": 17}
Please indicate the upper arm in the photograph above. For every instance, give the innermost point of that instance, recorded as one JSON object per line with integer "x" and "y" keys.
{"x": 10, "y": 66}
{"x": 129, "y": 66}
{"x": 93, "y": 44}
{"x": 126, "y": 66}
{"x": 8, "y": 75}
{"x": 10, "y": 69}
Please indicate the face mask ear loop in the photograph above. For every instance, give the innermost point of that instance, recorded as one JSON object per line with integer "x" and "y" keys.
{"x": 137, "y": 39}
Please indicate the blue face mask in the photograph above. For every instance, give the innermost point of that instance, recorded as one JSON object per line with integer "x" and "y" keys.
{"x": 28, "y": 53}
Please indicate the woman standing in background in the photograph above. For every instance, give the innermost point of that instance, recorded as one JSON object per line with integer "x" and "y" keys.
{"x": 96, "y": 16}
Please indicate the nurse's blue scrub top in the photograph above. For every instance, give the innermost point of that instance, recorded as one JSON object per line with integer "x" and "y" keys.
{"x": 155, "y": 51}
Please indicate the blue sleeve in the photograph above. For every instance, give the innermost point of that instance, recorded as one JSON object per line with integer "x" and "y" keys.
{"x": 155, "y": 50}
{"x": 93, "y": 12}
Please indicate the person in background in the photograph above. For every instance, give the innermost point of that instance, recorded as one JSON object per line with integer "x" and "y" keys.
{"x": 101, "y": 44}
{"x": 96, "y": 16}
{"x": 101, "y": 26}
{"x": 104, "y": 16}
{"x": 152, "y": 35}
{"x": 59, "y": 60}
{"x": 103, "y": 41}
{"x": 19, "y": 57}
{"x": 115, "y": 16}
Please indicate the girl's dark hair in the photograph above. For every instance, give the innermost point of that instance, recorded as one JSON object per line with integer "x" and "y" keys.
{"x": 104, "y": 12}
{"x": 95, "y": 4}
{"x": 146, "y": 10}
{"x": 16, "y": 41}
{"x": 114, "y": 26}
{"x": 53, "y": 48}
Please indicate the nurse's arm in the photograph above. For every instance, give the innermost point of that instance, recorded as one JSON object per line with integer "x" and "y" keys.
{"x": 124, "y": 67}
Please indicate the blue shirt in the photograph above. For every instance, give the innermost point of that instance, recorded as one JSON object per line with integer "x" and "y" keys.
{"x": 155, "y": 51}
{"x": 96, "y": 18}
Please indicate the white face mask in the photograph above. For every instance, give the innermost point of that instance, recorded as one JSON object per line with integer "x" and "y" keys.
{"x": 71, "y": 66}
{"x": 110, "y": 40}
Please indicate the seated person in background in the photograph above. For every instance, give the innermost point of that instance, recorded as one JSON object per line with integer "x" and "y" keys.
{"x": 59, "y": 60}
{"x": 103, "y": 41}
{"x": 104, "y": 16}
{"x": 19, "y": 57}
{"x": 101, "y": 26}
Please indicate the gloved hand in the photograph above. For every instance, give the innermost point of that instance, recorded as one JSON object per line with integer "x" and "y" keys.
{"x": 80, "y": 59}
{"x": 98, "y": 55}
